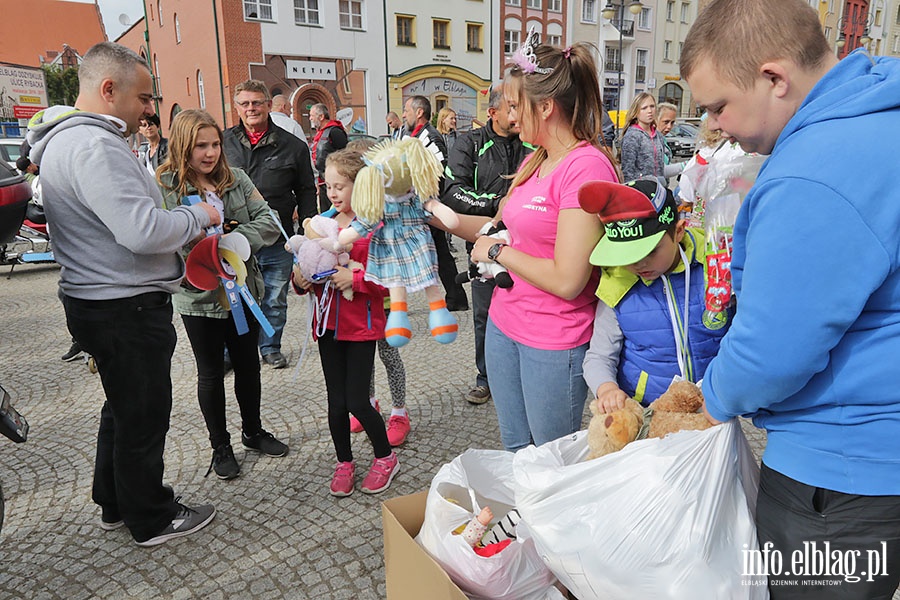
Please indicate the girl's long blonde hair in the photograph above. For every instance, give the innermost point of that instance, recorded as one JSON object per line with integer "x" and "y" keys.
{"x": 183, "y": 134}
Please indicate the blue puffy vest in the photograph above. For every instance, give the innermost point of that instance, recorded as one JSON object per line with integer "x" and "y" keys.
{"x": 649, "y": 360}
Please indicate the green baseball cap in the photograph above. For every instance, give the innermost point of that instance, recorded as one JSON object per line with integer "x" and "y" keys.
{"x": 635, "y": 216}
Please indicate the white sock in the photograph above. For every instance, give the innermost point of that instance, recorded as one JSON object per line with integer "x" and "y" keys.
{"x": 398, "y": 412}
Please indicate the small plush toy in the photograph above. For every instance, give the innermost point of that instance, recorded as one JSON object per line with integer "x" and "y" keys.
{"x": 397, "y": 189}
{"x": 316, "y": 249}
{"x": 489, "y": 270}
{"x": 675, "y": 410}
{"x": 609, "y": 432}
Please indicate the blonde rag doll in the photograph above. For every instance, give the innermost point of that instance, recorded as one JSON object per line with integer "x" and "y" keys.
{"x": 402, "y": 256}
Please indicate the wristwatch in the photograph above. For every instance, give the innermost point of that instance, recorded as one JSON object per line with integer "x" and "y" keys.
{"x": 494, "y": 251}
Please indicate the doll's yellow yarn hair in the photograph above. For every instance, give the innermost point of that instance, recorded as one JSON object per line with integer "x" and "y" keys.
{"x": 394, "y": 166}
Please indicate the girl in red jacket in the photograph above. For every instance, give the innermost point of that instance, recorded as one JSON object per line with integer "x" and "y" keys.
{"x": 350, "y": 329}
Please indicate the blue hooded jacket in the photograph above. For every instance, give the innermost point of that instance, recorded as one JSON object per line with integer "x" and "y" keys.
{"x": 814, "y": 349}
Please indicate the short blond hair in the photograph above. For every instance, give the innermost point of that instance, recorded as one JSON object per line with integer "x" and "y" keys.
{"x": 253, "y": 85}
{"x": 739, "y": 36}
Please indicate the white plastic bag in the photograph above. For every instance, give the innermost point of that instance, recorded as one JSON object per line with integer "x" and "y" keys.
{"x": 476, "y": 479}
{"x": 661, "y": 518}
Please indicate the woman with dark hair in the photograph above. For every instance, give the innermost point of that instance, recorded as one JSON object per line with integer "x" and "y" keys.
{"x": 154, "y": 153}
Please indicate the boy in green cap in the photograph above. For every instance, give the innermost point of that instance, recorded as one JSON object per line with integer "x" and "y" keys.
{"x": 651, "y": 323}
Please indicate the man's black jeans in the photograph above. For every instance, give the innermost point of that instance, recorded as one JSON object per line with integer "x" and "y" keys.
{"x": 132, "y": 341}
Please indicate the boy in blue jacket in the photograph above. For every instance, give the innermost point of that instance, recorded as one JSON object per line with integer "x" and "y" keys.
{"x": 812, "y": 354}
{"x": 651, "y": 323}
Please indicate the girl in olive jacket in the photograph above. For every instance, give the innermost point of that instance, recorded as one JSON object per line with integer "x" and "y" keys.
{"x": 196, "y": 165}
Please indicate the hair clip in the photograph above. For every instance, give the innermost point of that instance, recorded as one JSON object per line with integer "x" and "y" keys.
{"x": 525, "y": 58}
{"x": 567, "y": 52}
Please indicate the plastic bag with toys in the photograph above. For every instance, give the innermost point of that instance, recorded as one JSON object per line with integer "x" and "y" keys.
{"x": 462, "y": 489}
{"x": 660, "y": 518}
{"x": 714, "y": 184}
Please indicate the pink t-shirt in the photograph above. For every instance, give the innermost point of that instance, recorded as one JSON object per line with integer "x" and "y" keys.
{"x": 523, "y": 312}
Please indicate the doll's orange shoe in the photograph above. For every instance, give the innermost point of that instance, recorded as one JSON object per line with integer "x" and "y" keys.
{"x": 397, "y": 330}
{"x": 443, "y": 325}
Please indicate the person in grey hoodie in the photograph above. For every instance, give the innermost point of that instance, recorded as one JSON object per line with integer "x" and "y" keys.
{"x": 118, "y": 249}
{"x": 643, "y": 146}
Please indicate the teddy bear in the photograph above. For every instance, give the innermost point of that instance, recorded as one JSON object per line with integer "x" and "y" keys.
{"x": 316, "y": 250}
{"x": 675, "y": 410}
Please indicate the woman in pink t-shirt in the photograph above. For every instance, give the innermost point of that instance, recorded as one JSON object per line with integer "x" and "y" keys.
{"x": 539, "y": 329}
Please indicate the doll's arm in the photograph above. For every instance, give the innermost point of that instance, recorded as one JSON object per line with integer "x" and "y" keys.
{"x": 348, "y": 235}
{"x": 476, "y": 528}
{"x": 443, "y": 212}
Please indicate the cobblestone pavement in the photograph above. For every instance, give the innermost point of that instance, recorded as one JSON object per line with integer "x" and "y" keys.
{"x": 278, "y": 532}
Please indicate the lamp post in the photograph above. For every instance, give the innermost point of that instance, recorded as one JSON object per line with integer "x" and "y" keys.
{"x": 866, "y": 21}
{"x": 609, "y": 12}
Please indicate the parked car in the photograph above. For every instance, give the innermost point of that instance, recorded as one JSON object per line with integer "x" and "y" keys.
{"x": 10, "y": 150}
{"x": 683, "y": 139}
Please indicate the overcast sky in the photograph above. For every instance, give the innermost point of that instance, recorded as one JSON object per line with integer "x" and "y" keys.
{"x": 111, "y": 9}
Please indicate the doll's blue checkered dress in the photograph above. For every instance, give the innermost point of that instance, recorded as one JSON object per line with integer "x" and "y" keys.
{"x": 401, "y": 252}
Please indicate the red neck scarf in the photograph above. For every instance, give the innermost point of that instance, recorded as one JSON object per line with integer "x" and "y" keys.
{"x": 255, "y": 137}
{"x": 415, "y": 132}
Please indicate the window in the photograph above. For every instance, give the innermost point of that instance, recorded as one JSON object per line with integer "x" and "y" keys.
{"x": 554, "y": 5}
{"x": 644, "y": 19}
{"x": 201, "y": 91}
{"x": 535, "y": 4}
{"x": 510, "y": 41}
{"x": 667, "y": 51}
{"x": 670, "y": 10}
{"x": 351, "y": 14}
{"x": 440, "y": 31}
{"x": 680, "y": 48}
{"x": 405, "y": 35}
{"x": 589, "y": 11}
{"x": 258, "y": 9}
{"x": 640, "y": 72}
{"x": 159, "y": 12}
{"x": 473, "y": 37}
{"x": 828, "y": 34}
{"x": 685, "y": 12}
{"x": 158, "y": 77}
{"x": 612, "y": 59}
{"x": 306, "y": 12}
{"x": 514, "y": 2}
{"x": 896, "y": 47}
{"x": 554, "y": 40}
{"x": 177, "y": 30}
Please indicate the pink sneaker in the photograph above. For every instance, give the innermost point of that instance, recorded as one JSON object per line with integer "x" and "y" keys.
{"x": 355, "y": 425}
{"x": 342, "y": 482}
{"x": 397, "y": 429}
{"x": 381, "y": 474}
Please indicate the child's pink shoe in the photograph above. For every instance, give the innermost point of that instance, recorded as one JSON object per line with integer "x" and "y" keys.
{"x": 342, "y": 482}
{"x": 397, "y": 429}
{"x": 381, "y": 474}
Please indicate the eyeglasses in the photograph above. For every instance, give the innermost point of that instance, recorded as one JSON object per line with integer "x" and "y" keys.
{"x": 255, "y": 103}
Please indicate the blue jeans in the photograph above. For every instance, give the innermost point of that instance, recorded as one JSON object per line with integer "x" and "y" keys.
{"x": 539, "y": 395}
{"x": 275, "y": 264}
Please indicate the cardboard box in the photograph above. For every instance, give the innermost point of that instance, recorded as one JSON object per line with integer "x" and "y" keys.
{"x": 410, "y": 573}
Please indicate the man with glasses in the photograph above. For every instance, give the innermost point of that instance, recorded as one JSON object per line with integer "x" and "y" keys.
{"x": 279, "y": 165}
